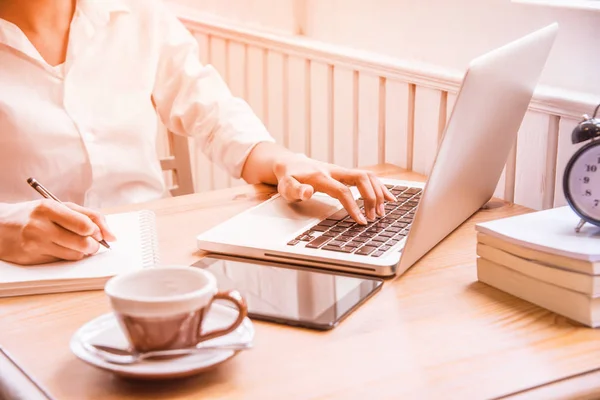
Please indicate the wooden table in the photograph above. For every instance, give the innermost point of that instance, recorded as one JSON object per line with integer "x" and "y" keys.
{"x": 435, "y": 332}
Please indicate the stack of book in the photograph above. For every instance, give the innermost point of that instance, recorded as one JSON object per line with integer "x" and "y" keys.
{"x": 539, "y": 258}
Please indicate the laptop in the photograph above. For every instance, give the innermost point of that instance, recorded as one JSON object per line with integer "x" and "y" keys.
{"x": 493, "y": 99}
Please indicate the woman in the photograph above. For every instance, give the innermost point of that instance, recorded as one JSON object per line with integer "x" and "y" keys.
{"x": 82, "y": 85}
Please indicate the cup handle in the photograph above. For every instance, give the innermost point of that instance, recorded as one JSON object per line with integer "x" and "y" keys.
{"x": 236, "y": 298}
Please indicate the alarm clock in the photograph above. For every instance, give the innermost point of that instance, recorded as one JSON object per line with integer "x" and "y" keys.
{"x": 581, "y": 180}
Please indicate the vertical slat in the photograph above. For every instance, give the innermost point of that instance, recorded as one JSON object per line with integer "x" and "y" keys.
{"x": 396, "y": 121}
{"x": 565, "y": 149}
{"x": 254, "y": 80}
{"x": 355, "y": 108}
{"x": 410, "y": 137}
{"x": 368, "y": 119}
{"x": 343, "y": 106}
{"x": 297, "y": 112}
{"x": 219, "y": 59}
{"x": 285, "y": 102}
{"x": 427, "y": 110}
{"x": 450, "y": 101}
{"x": 236, "y": 79}
{"x": 203, "y": 167}
{"x": 307, "y": 106}
{"x": 274, "y": 86}
{"x": 319, "y": 106}
{"x": 532, "y": 145}
{"x": 236, "y": 76}
{"x": 500, "y": 191}
{"x": 330, "y": 122}
{"x": 551, "y": 154}
{"x": 381, "y": 129}
{"x": 265, "y": 82}
{"x": 442, "y": 115}
{"x": 509, "y": 175}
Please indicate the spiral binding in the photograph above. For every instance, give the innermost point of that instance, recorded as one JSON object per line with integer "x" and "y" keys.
{"x": 150, "y": 253}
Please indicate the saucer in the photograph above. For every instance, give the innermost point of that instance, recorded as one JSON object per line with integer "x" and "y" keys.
{"x": 106, "y": 330}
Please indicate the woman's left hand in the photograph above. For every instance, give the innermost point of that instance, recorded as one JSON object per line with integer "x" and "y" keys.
{"x": 299, "y": 177}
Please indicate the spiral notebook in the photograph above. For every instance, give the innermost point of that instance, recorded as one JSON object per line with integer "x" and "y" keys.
{"x": 136, "y": 247}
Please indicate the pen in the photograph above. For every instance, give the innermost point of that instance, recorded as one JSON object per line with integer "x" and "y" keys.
{"x": 46, "y": 194}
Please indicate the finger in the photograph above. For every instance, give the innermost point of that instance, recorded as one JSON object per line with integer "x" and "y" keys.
{"x": 362, "y": 182}
{"x": 97, "y": 218}
{"x": 73, "y": 241}
{"x": 387, "y": 194}
{"x": 57, "y": 251}
{"x": 292, "y": 190}
{"x": 336, "y": 189}
{"x": 69, "y": 219}
{"x": 377, "y": 187}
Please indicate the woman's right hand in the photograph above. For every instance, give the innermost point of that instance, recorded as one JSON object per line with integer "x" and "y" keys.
{"x": 42, "y": 231}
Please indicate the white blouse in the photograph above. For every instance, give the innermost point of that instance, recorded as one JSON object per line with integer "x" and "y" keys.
{"x": 87, "y": 129}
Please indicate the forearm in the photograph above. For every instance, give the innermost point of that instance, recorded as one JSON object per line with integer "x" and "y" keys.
{"x": 259, "y": 165}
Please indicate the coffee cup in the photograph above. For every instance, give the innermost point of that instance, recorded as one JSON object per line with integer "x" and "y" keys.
{"x": 163, "y": 308}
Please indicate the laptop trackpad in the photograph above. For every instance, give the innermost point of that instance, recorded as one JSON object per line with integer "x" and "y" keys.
{"x": 319, "y": 206}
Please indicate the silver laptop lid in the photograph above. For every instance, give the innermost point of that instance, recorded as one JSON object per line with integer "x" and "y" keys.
{"x": 482, "y": 128}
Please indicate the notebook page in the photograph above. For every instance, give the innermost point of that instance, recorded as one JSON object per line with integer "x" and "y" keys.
{"x": 132, "y": 250}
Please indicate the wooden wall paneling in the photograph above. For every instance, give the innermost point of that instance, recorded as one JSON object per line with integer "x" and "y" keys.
{"x": 321, "y": 112}
{"x": 255, "y": 80}
{"x": 565, "y": 149}
{"x": 344, "y": 108}
{"x": 450, "y": 101}
{"x": 219, "y": 58}
{"x": 236, "y": 79}
{"x": 551, "y": 157}
{"x": 397, "y": 123}
{"x": 203, "y": 168}
{"x": 298, "y": 91}
{"x": 428, "y": 104}
{"x": 532, "y": 149}
{"x": 275, "y": 95}
{"x": 368, "y": 119}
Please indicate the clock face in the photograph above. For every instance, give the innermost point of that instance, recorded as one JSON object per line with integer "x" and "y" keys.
{"x": 583, "y": 178}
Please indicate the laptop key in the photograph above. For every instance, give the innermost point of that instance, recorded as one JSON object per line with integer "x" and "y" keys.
{"x": 318, "y": 242}
{"x": 293, "y": 242}
{"x": 365, "y": 250}
{"x": 320, "y": 228}
{"x": 340, "y": 249}
{"x": 378, "y": 253}
{"x": 328, "y": 222}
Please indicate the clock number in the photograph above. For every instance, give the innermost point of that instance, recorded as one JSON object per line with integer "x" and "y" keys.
{"x": 596, "y": 202}
{"x": 590, "y": 168}
{"x": 588, "y": 193}
{"x": 586, "y": 179}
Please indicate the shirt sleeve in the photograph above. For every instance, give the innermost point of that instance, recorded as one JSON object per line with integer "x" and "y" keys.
{"x": 192, "y": 99}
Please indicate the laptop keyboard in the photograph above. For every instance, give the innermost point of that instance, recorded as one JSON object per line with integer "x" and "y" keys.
{"x": 339, "y": 232}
